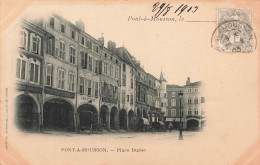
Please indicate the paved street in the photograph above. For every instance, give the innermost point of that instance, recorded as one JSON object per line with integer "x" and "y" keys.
{"x": 121, "y": 134}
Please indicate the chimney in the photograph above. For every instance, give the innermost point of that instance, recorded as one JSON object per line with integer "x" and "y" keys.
{"x": 80, "y": 24}
{"x": 188, "y": 81}
{"x": 111, "y": 46}
{"x": 101, "y": 40}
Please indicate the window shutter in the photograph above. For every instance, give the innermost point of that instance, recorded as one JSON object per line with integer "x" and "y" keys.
{"x": 100, "y": 67}
{"x": 31, "y": 43}
{"x": 39, "y": 45}
{"x": 51, "y": 75}
{"x": 93, "y": 88}
{"x": 86, "y": 60}
{"x": 85, "y": 87}
{"x": 56, "y": 48}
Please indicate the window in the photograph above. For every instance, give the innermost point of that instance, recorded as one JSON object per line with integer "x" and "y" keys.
{"x": 189, "y": 90}
{"x": 189, "y": 100}
{"x": 21, "y": 67}
{"x": 189, "y": 111}
{"x": 116, "y": 73}
{"x": 71, "y": 81}
{"x": 173, "y": 102}
{"x": 35, "y": 43}
{"x": 132, "y": 99}
{"x": 173, "y": 112}
{"x": 62, "y": 28}
{"x": 50, "y": 46}
{"x": 84, "y": 59}
{"x": 62, "y": 50}
{"x": 96, "y": 89}
{"x": 34, "y": 72}
{"x": 72, "y": 34}
{"x": 132, "y": 83}
{"x": 124, "y": 79}
{"x": 111, "y": 71}
{"x": 89, "y": 44}
{"x": 49, "y": 75}
{"x": 165, "y": 95}
{"x": 72, "y": 55}
{"x": 196, "y": 100}
{"x": 161, "y": 104}
{"x": 196, "y": 90}
{"x": 128, "y": 98}
{"x": 96, "y": 66}
{"x": 89, "y": 87}
{"x": 115, "y": 92}
{"x": 23, "y": 39}
{"x": 124, "y": 68}
{"x": 123, "y": 97}
{"x": 83, "y": 40}
{"x": 105, "y": 55}
{"x": 81, "y": 85}
{"x": 97, "y": 49}
{"x": 90, "y": 63}
{"x": 105, "y": 68}
{"x": 196, "y": 111}
{"x": 202, "y": 99}
{"x": 52, "y": 22}
{"x": 61, "y": 78}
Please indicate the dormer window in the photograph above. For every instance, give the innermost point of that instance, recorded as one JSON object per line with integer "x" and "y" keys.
{"x": 72, "y": 34}
{"x": 52, "y": 22}
{"x": 62, "y": 28}
{"x": 23, "y": 39}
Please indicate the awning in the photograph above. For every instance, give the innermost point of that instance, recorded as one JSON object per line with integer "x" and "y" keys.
{"x": 172, "y": 119}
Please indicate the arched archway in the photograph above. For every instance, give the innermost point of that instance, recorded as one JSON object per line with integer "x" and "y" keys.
{"x": 123, "y": 119}
{"x": 131, "y": 120}
{"x": 104, "y": 116}
{"x": 114, "y": 118}
{"x": 192, "y": 124}
{"x": 87, "y": 116}
{"x": 58, "y": 114}
{"x": 26, "y": 113}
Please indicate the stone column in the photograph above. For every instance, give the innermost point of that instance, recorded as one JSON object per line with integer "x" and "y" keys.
{"x": 127, "y": 121}
{"x": 108, "y": 120}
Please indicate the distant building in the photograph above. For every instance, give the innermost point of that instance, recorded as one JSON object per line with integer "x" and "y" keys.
{"x": 173, "y": 104}
{"x": 194, "y": 105}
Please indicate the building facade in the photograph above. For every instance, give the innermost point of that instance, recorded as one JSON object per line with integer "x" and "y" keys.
{"x": 66, "y": 80}
{"x": 194, "y": 105}
{"x": 29, "y": 77}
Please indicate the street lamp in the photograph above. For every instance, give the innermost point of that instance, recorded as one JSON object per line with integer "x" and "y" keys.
{"x": 180, "y": 126}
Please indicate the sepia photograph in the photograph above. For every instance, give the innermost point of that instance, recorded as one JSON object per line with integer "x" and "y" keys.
{"x": 127, "y": 82}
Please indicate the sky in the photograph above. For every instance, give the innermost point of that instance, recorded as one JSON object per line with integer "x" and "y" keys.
{"x": 170, "y": 47}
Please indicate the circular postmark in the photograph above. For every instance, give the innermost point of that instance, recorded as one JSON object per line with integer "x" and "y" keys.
{"x": 234, "y": 36}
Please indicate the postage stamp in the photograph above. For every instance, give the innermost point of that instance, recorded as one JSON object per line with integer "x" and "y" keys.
{"x": 234, "y": 31}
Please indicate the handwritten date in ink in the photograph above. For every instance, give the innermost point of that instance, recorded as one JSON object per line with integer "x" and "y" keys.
{"x": 163, "y": 8}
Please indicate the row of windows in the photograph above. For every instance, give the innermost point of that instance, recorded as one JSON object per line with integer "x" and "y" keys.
{"x": 88, "y": 87}
{"x": 61, "y": 76}
{"x": 196, "y": 100}
{"x": 196, "y": 112}
{"x": 190, "y": 90}
{"x": 109, "y": 90}
{"x": 110, "y": 70}
{"x": 35, "y": 41}
{"x": 28, "y": 69}
{"x": 128, "y": 98}
{"x": 62, "y": 28}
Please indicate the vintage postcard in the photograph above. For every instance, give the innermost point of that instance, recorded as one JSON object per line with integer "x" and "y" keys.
{"x": 129, "y": 82}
